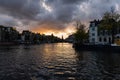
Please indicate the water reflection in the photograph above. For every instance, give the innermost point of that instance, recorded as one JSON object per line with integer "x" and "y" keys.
{"x": 56, "y": 62}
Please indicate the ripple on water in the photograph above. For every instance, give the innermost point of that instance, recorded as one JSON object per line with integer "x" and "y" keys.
{"x": 56, "y": 62}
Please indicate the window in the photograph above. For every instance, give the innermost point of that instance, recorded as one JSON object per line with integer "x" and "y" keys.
{"x": 105, "y": 39}
{"x": 93, "y": 34}
{"x": 93, "y": 24}
{"x": 109, "y": 40}
{"x": 93, "y": 39}
{"x": 118, "y": 37}
{"x": 3, "y": 29}
{"x": 93, "y": 29}
{"x": 100, "y": 39}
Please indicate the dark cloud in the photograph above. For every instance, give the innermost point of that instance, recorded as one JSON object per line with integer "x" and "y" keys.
{"x": 23, "y": 9}
{"x": 72, "y": 1}
{"x": 55, "y": 12}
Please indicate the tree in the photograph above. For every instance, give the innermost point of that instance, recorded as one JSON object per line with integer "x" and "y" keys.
{"x": 110, "y": 22}
{"x": 80, "y": 34}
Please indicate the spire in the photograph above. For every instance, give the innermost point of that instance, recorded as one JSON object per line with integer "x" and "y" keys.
{"x": 62, "y": 37}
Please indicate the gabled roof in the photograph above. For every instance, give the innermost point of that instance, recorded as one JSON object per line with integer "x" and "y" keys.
{"x": 95, "y": 21}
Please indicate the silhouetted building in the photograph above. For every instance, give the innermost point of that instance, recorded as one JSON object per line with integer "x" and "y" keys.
{"x": 70, "y": 38}
{"x": 27, "y": 36}
{"x": 8, "y": 34}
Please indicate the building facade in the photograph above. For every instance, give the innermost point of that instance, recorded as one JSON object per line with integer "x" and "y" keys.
{"x": 8, "y": 34}
{"x": 98, "y": 37}
{"x": 93, "y": 32}
{"x": 26, "y": 36}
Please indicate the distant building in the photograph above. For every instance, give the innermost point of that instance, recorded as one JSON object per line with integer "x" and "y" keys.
{"x": 27, "y": 36}
{"x": 8, "y": 34}
{"x": 70, "y": 38}
{"x": 36, "y": 38}
{"x": 97, "y": 36}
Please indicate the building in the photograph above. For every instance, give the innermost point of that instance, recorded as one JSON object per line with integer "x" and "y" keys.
{"x": 93, "y": 32}
{"x": 117, "y": 36}
{"x": 70, "y": 38}
{"x": 8, "y": 34}
{"x": 1, "y": 33}
{"x": 26, "y": 36}
{"x": 36, "y": 38}
{"x": 97, "y": 36}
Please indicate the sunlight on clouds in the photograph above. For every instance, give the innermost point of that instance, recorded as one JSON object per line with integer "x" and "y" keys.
{"x": 70, "y": 29}
{"x": 117, "y": 7}
{"x": 84, "y": 7}
{"x": 48, "y": 8}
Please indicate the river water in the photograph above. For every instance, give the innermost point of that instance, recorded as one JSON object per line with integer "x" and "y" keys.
{"x": 57, "y": 61}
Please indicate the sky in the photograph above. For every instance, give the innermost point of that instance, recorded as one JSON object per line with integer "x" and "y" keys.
{"x": 53, "y": 16}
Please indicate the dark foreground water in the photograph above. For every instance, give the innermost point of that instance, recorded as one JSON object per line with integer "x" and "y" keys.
{"x": 57, "y": 62}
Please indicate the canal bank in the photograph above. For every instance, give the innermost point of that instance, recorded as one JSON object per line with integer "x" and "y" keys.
{"x": 104, "y": 48}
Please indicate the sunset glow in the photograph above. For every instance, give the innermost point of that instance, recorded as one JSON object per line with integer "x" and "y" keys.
{"x": 65, "y": 33}
{"x": 56, "y": 30}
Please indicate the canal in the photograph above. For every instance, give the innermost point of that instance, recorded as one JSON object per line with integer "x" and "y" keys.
{"x": 57, "y": 61}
